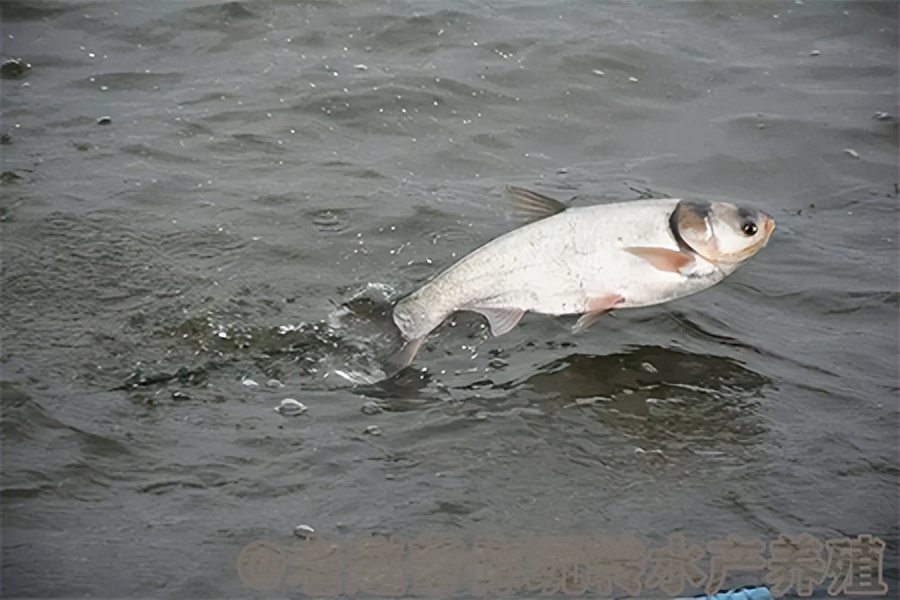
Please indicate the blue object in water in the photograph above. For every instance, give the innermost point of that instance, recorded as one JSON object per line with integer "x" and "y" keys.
{"x": 751, "y": 593}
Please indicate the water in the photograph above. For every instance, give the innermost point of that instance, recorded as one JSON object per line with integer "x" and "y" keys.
{"x": 263, "y": 162}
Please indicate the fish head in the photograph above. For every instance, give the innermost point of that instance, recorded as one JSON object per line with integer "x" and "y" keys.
{"x": 722, "y": 233}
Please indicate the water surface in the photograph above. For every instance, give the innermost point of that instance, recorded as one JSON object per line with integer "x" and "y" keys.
{"x": 261, "y": 162}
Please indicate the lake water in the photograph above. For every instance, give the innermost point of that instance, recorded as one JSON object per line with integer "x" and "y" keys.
{"x": 189, "y": 190}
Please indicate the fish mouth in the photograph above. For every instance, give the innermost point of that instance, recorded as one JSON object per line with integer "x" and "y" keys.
{"x": 769, "y": 225}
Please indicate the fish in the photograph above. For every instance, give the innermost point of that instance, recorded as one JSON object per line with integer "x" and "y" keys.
{"x": 583, "y": 261}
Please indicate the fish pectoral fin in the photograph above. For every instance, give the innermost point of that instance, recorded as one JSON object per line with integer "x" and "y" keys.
{"x": 501, "y": 320}
{"x": 662, "y": 258}
{"x": 597, "y": 307}
{"x": 529, "y": 206}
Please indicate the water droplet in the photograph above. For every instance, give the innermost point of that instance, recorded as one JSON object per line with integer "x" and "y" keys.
{"x": 290, "y": 408}
{"x": 304, "y": 531}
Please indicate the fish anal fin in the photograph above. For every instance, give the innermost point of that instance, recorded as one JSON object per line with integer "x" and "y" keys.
{"x": 663, "y": 259}
{"x": 596, "y": 307}
{"x": 501, "y": 320}
{"x": 529, "y": 206}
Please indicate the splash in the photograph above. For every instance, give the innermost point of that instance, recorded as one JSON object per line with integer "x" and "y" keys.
{"x": 365, "y": 327}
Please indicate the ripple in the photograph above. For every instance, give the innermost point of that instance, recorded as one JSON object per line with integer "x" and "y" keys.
{"x": 330, "y": 220}
{"x": 149, "y": 152}
{"x": 131, "y": 81}
{"x": 420, "y": 31}
{"x": 19, "y": 10}
{"x": 217, "y": 12}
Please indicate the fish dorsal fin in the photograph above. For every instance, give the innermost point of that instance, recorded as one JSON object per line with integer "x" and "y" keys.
{"x": 528, "y": 206}
{"x": 501, "y": 320}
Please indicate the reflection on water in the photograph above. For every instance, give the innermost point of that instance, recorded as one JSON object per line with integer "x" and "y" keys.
{"x": 666, "y": 393}
{"x": 646, "y": 372}
{"x": 655, "y": 392}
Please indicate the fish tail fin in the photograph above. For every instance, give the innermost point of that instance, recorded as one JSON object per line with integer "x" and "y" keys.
{"x": 403, "y": 356}
{"x": 414, "y": 318}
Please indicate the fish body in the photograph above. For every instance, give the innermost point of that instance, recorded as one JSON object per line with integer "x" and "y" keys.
{"x": 585, "y": 261}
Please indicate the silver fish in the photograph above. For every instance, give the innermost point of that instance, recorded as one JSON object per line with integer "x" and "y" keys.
{"x": 585, "y": 261}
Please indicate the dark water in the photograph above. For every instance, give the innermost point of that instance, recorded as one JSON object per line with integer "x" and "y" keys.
{"x": 264, "y": 161}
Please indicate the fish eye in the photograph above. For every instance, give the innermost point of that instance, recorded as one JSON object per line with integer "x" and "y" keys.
{"x": 749, "y": 229}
